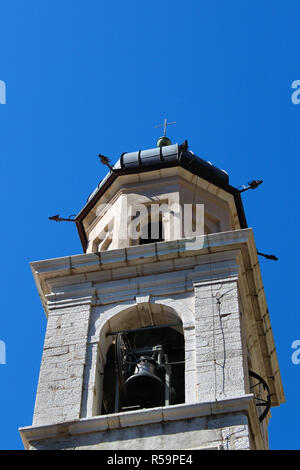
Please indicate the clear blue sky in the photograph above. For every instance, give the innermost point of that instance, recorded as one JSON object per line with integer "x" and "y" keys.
{"x": 88, "y": 77}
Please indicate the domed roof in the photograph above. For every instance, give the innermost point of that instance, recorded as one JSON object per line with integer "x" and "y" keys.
{"x": 162, "y": 157}
{"x": 159, "y": 158}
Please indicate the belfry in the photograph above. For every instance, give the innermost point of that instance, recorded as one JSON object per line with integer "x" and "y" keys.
{"x": 158, "y": 336}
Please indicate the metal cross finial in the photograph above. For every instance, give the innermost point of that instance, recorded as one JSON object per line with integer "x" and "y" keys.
{"x": 164, "y": 125}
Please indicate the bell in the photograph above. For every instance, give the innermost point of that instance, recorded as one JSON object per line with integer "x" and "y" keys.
{"x": 144, "y": 387}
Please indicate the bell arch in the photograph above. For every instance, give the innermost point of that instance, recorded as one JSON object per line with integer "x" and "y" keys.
{"x": 146, "y": 324}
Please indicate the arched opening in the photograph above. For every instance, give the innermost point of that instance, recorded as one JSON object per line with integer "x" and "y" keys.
{"x": 144, "y": 366}
{"x": 152, "y": 232}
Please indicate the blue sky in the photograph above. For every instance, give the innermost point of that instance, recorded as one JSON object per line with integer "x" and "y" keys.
{"x": 88, "y": 77}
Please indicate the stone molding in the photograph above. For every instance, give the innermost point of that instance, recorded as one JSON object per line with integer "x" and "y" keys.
{"x": 134, "y": 418}
{"x": 51, "y": 275}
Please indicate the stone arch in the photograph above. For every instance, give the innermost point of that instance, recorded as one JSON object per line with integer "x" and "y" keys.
{"x": 143, "y": 312}
{"x": 149, "y": 225}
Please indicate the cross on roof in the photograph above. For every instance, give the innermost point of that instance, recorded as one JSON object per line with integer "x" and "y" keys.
{"x": 165, "y": 124}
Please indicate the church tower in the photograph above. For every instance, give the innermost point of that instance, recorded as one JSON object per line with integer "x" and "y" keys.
{"x": 158, "y": 336}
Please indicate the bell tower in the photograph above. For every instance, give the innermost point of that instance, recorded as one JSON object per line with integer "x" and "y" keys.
{"x": 158, "y": 335}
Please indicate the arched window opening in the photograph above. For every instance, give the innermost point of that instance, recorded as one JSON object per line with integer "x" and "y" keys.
{"x": 144, "y": 368}
{"x": 152, "y": 232}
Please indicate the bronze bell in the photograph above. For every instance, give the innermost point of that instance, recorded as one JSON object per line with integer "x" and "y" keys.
{"x": 144, "y": 387}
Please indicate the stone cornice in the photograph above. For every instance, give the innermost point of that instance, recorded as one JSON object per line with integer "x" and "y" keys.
{"x": 134, "y": 418}
{"x": 149, "y": 259}
{"x": 138, "y": 255}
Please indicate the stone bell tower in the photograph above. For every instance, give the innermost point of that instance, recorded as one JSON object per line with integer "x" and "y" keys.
{"x": 158, "y": 335}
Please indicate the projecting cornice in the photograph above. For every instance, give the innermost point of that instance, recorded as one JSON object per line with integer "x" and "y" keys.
{"x": 131, "y": 419}
{"x": 139, "y": 260}
{"x": 149, "y": 253}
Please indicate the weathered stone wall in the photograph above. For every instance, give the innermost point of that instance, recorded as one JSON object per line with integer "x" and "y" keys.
{"x": 62, "y": 368}
{"x": 219, "y": 349}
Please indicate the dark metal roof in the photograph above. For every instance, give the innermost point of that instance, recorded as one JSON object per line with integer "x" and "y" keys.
{"x": 170, "y": 154}
{"x": 158, "y": 158}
